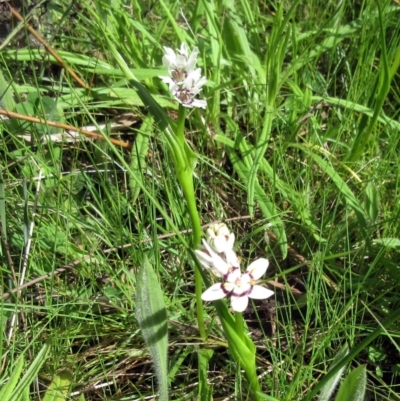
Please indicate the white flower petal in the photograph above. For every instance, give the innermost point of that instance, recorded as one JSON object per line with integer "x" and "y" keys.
{"x": 257, "y": 268}
{"x": 260, "y": 292}
{"x": 191, "y": 62}
{"x": 194, "y": 82}
{"x": 228, "y": 287}
{"x": 218, "y": 244}
{"x": 169, "y": 81}
{"x": 204, "y": 258}
{"x": 217, "y": 262}
{"x": 216, "y": 230}
{"x": 201, "y": 104}
{"x": 231, "y": 241}
{"x": 169, "y": 58}
{"x": 184, "y": 50}
{"x": 239, "y": 304}
{"x": 216, "y": 291}
{"x": 180, "y": 63}
{"x": 219, "y": 237}
{"x": 231, "y": 258}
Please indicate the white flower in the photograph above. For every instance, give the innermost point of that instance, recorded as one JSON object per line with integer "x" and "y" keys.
{"x": 184, "y": 82}
{"x": 218, "y": 263}
{"x": 240, "y": 286}
{"x": 219, "y": 237}
{"x": 180, "y": 65}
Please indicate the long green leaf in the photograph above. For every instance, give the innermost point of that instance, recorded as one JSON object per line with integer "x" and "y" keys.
{"x": 3, "y": 219}
{"x": 354, "y": 386}
{"x": 59, "y": 387}
{"x": 151, "y": 314}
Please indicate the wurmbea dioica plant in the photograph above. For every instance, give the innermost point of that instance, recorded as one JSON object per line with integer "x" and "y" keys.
{"x": 185, "y": 83}
{"x": 217, "y": 255}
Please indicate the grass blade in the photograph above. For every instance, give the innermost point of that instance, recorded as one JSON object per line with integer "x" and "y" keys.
{"x": 6, "y": 391}
{"x": 266, "y": 205}
{"x": 343, "y": 188}
{"x": 363, "y": 135}
{"x": 139, "y": 153}
{"x": 30, "y": 374}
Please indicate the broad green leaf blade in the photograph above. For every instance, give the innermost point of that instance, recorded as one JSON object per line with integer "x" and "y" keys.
{"x": 331, "y": 384}
{"x": 267, "y": 397}
{"x": 354, "y": 386}
{"x": 59, "y": 387}
{"x": 26, "y": 395}
{"x": 7, "y": 389}
{"x": 372, "y": 202}
{"x": 389, "y": 242}
{"x": 151, "y": 314}
{"x": 205, "y": 390}
{"x": 30, "y": 374}
{"x": 6, "y": 98}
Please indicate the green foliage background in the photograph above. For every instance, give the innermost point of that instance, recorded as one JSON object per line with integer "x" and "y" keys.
{"x": 298, "y": 151}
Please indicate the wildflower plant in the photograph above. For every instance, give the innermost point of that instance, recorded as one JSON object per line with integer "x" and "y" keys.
{"x": 217, "y": 255}
{"x": 185, "y": 83}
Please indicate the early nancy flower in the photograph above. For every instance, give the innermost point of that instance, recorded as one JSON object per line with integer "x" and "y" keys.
{"x": 240, "y": 286}
{"x": 184, "y": 82}
{"x": 219, "y": 263}
{"x": 180, "y": 65}
{"x": 219, "y": 237}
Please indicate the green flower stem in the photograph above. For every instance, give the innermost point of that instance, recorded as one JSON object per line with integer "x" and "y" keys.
{"x": 180, "y": 125}
{"x": 186, "y": 180}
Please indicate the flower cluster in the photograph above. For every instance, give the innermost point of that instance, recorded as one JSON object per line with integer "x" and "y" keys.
{"x": 185, "y": 82}
{"x": 217, "y": 255}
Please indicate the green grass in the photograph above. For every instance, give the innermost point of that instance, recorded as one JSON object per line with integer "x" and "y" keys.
{"x": 301, "y": 131}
